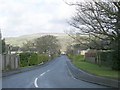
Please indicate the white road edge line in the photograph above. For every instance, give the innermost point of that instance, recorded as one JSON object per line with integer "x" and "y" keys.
{"x": 70, "y": 72}
{"x": 35, "y": 83}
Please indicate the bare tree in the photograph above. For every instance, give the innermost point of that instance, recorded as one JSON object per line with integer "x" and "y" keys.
{"x": 47, "y": 44}
{"x": 28, "y": 46}
{"x": 101, "y": 21}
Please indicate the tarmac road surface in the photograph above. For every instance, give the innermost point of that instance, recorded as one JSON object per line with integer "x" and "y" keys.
{"x": 54, "y": 75}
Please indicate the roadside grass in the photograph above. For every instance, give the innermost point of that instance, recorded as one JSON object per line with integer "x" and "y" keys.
{"x": 103, "y": 71}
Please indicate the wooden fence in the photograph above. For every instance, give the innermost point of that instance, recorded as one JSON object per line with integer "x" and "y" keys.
{"x": 10, "y": 61}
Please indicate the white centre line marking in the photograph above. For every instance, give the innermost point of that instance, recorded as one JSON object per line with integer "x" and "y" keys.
{"x": 48, "y": 70}
{"x": 42, "y": 74}
{"x": 35, "y": 83}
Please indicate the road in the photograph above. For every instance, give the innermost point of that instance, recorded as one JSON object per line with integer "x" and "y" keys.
{"x": 54, "y": 75}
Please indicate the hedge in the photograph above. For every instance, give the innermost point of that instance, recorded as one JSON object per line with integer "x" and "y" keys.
{"x": 107, "y": 58}
{"x": 24, "y": 59}
{"x": 29, "y": 59}
{"x": 33, "y": 59}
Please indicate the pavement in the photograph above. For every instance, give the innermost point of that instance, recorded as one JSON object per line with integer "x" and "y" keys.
{"x": 55, "y": 74}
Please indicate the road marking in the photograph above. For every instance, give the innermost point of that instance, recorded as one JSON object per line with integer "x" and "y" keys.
{"x": 42, "y": 74}
{"x": 70, "y": 73}
{"x": 35, "y": 83}
{"x": 48, "y": 70}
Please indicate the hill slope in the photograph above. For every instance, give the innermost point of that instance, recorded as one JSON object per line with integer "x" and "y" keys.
{"x": 64, "y": 39}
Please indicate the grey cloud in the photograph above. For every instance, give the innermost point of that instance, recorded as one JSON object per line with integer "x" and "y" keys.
{"x": 32, "y": 16}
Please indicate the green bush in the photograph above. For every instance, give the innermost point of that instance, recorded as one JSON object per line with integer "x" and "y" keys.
{"x": 33, "y": 59}
{"x": 24, "y": 59}
{"x": 76, "y": 57}
{"x": 71, "y": 57}
{"x": 30, "y": 59}
{"x": 107, "y": 58}
{"x": 79, "y": 57}
{"x": 53, "y": 56}
{"x": 42, "y": 58}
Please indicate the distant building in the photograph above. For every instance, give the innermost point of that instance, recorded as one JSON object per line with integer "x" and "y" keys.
{"x": 83, "y": 52}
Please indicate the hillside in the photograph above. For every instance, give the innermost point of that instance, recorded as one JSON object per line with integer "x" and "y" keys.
{"x": 64, "y": 39}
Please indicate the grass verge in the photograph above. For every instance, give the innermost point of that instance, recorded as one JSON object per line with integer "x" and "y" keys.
{"x": 103, "y": 71}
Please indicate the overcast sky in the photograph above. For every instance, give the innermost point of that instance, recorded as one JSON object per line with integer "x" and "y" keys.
{"x": 21, "y": 17}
